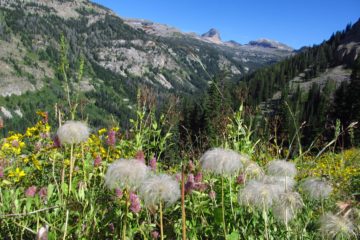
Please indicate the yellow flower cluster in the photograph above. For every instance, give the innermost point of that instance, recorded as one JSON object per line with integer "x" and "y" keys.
{"x": 339, "y": 168}
{"x": 17, "y": 174}
{"x": 12, "y": 145}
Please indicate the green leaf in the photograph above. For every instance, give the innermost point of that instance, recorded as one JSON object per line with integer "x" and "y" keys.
{"x": 50, "y": 191}
{"x": 218, "y": 215}
{"x": 233, "y": 236}
{"x": 65, "y": 188}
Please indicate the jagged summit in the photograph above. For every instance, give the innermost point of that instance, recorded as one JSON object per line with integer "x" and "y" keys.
{"x": 212, "y": 35}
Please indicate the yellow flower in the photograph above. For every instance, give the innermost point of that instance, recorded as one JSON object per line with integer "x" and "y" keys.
{"x": 67, "y": 162}
{"x": 102, "y": 131}
{"x": 17, "y": 174}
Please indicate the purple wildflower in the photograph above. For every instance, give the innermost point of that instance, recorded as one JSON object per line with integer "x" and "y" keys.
{"x": 198, "y": 177}
{"x": 43, "y": 193}
{"x": 57, "y": 142}
{"x": 212, "y": 195}
{"x": 135, "y": 203}
{"x": 178, "y": 177}
{"x": 111, "y": 227}
{"x": 97, "y": 161}
{"x": 118, "y": 193}
{"x": 111, "y": 139}
{"x": 191, "y": 166}
{"x": 201, "y": 187}
{"x": 153, "y": 164}
{"x": 30, "y": 192}
{"x": 240, "y": 179}
{"x": 155, "y": 234}
{"x": 15, "y": 143}
{"x": 190, "y": 184}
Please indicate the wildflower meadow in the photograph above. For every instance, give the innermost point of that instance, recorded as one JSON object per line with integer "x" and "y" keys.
{"x": 77, "y": 182}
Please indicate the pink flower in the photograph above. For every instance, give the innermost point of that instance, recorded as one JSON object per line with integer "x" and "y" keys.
{"x": 140, "y": 156}
{"x": 178, "y": 177}
{"x": 135, "y": 203}
{"x": 57, "y": 142}
{"x": 190, "y": 184}
{"x": 97, "y": 161}
{"x": 111, "y": 227}
{"x": 15, "y": 143}
{"x": 111, "y": 139}
{"x": 201, "y": 187}
{"x": 212, "y": 195}
{"x": 191, "y": 166}
{"x": 30, "y": 192}
{"x": 43, "y": 193}
{"x": 153, "y": 164}
{"x": 240, "y": 179}
{"x": 118, "y": 193}
{"x": 198, "y": 177}
{"x": 155, "y": 234}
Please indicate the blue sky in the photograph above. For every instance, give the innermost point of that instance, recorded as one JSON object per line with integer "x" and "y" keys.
{"x": 293, "y": 22}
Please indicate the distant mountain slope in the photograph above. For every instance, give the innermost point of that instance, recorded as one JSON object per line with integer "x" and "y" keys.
{"x": 118, "y": 58}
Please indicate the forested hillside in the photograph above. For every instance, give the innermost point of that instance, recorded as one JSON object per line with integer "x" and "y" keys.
{"x": 307, "y": 98}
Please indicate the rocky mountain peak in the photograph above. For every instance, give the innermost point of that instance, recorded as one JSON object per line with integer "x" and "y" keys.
{"x": 212, "y": 35}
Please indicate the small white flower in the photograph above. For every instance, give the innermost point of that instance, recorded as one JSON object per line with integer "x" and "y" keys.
{"x": 158, "y": 188}
{"x": 73, "y": 132}
{"x": 281, "y": 168}
{"x": 287, "y": 206}
{"x": 222, "y": 161}
{"x": 316, "y": 188}
{"x": 126, "y": 173}
{"x": 336, "y": 227}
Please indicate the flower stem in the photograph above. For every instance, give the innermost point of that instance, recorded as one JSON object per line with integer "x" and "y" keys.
{"x": 222, "y": 206}
{"x": 71, "y": 166}
{"x": 231, "y": 203}
{"x": 161, "y": 223}
{"x": 183, "y": 214}
{"x": 66, "y": 224}
{"x": 125, "y": 216}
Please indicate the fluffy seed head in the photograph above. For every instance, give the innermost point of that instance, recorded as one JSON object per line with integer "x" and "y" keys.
{"x": 259, "y": 194}
{"x": 252, "y": 170}
{"x": 316, "y": 188}
{"x": 336, "y": 227}
{"x": 160, "y": 188}
{"x": 126, "y": 173}
{"x": 73, "y": 132}
{"x": 281, "y": 168}
{"x": 286, "y": 207}
{"x": 221, "y": 161}
{"x": 286, "y": 183}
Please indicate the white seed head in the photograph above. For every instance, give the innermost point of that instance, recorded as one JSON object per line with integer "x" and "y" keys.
{"x": 158, "y": 188}
{"x": 259, "y": 194}
{"x": 336, "y": 227}
{"x": 287, "y": 183}
{"x": 73, "y": 132}
{"x": 126, "y": 173}
{"x": 281, "y": 168}
{"x": 316, "y": 188}
{"x": 287, "y": 206}
{"x": 221, "y": 161}
{"x": 252, "y": 170}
